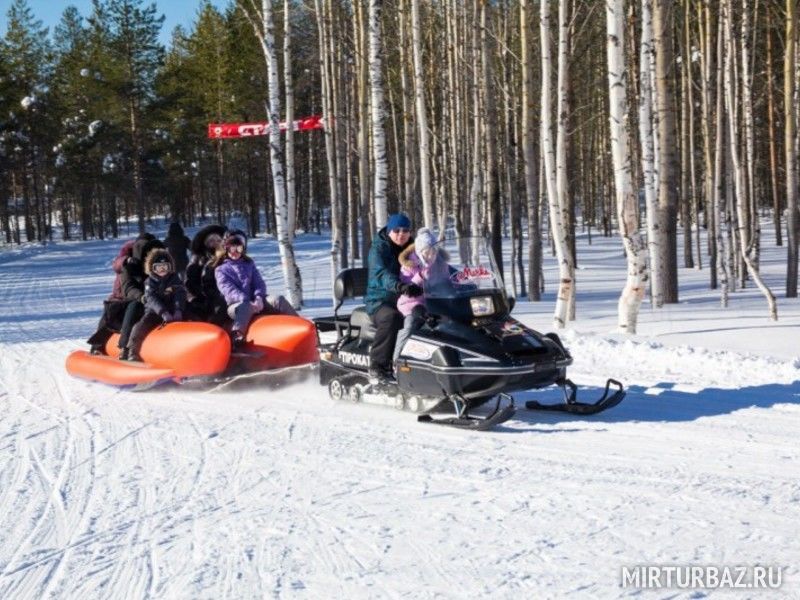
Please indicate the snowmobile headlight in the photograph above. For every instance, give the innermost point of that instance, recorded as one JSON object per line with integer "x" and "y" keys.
{"x": 482, "y": 306}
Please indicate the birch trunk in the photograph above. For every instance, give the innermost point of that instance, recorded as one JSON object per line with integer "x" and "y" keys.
{"x": 378, "y": 113}
{"x": 290, "y": 270}
{"x": 422, "y": 118}
{"x": 558, "y": 225}
{"x": 492, "y": 185}
{"x": 330, "y": 154}
{"x": 704, "y": 18}
{"x": 291, "y": 198}
{"x": 476, "y": 224}
{"x": 685, "y": 199}
{"x": 790, "y": 148}
{"x": 667, "y": 162}
{"x": 738, "y": 169}
{"x": 363, "y": 130}
{"x": 752, "y": 227}
{"x": 723, "y": 254}
{"x": 635, "y": 248}
{"x": 773, "y": 146}
{"x": 654, "y": 237}
{"x": 529, "y": 157}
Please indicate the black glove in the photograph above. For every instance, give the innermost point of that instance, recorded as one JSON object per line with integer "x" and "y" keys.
{"x": 410, "y": 289}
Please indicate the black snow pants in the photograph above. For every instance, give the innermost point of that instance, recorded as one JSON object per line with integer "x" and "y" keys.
{"x": 388, "y": 321}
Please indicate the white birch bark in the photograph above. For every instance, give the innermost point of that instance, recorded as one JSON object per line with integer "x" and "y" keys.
{"x": 330, "y": 154}
{"x": 291, "y": 200}
{"x": 558, "y": 227}
{"x": 529, "y": 156}
{"x": 566, "y": 288}
{"x": 753, "y": 227}
{"x": 648, "y": 156}
{"x": 635, "y": 248}
{"x": 264, "y": 28}
{"x": 422, "y": 118}
{"x": 731, "y": 104}
{"x": 381, "y": 168}
{"x": 476, "y": 223}
{"x": 790, "y": 149}
{"x": 723, "y": 255}
{"x": 290, "y": 271}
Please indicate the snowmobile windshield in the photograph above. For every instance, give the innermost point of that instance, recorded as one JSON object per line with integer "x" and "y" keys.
{"x": 461, "y": 280}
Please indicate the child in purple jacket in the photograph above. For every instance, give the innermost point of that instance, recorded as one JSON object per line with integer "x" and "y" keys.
{"x": 421, "y": 262}
{"x": 243, "y": 288}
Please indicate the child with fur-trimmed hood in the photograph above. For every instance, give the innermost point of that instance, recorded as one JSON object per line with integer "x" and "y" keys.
{"x": 243, "y": 288}
{"x": 420, "y": 263}
{"x": 164, "y": 298}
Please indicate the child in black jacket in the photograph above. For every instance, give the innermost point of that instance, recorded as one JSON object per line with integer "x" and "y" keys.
{"x": 164, "y": 299}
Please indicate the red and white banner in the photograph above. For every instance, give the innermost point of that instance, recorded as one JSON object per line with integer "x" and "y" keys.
{"x": 237, "y": 130}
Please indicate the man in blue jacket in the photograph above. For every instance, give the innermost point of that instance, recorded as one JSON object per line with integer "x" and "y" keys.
{"x": 383, "y": 290}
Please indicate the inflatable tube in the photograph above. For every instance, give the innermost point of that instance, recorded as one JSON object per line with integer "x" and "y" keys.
{"x": 192, "y": 349}
{"x": 284, "y": 340}
{"x": 113, "y": 371}
{"x": 177, "y": 350}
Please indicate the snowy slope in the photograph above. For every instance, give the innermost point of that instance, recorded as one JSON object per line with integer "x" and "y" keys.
{"x": 256, "y": 493}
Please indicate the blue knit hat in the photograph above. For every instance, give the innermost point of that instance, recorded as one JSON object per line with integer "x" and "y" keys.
{"x": 398, "y": 220}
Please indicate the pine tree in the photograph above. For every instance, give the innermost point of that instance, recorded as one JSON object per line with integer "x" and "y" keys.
{"x": 138, "y": 54}
{"x": 28, "y": 64}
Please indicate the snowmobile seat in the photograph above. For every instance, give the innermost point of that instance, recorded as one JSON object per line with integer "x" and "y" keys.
{"x": 350, "y": 283}
{"x": 361, "y": 320}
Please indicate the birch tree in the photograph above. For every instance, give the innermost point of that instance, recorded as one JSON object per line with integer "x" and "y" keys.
{"x": 635, "y": 250}
{"x": 291, "y": 199}
{"x": 529, "y": 157}
{"x": 381, "y": 166}
{"x": 422, "y": 118}
{"x": 646, "y": 133}
{"x": 790, "y": 148}
{"x": 732, "y": 108}
{"x": 265, "y": 32}
{"x": 667, "y": 145}
{"x": 557, "y": 223}
{"x": 323, "y": 29}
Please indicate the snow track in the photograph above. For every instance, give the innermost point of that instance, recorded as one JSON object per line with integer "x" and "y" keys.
{"x": 285, "y": 494}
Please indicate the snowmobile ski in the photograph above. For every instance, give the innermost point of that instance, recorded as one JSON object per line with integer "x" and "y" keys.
{"x": 608, "y": 400}
{"x": 472, "y": 423}
{"x": 463, "y": 420}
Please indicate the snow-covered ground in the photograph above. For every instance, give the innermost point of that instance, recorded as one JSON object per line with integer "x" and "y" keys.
{"x": 283, "y": 493}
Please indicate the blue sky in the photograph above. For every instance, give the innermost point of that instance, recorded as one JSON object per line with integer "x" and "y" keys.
{"x": 176, "y": 12}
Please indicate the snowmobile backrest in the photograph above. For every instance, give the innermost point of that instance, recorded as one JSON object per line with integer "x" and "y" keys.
{"x": 350, "y": 283}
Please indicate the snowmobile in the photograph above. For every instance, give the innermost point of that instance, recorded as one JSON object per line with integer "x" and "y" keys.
{"x": 468, "y": 352}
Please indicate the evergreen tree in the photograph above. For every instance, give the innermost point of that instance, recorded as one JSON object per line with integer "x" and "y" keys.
{"x": 138, "y": 55}
{"x": 28, "y": 62}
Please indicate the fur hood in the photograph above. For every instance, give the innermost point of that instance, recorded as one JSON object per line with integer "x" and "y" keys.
{"x": 199, "y": 241}
{"x": 407, "y": 261}
{"x": 405, "y": 257}
{"x": 157, "y": 253}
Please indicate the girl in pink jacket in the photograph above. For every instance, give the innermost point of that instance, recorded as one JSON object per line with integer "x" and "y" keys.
{"x": 421, "y": 262}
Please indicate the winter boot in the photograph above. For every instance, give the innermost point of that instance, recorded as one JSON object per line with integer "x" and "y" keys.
{"x": 96, "y": 350}
{"x": 124, "y": 354}
{"x": 380, "y": 375}
{"x": 237, "y": 340}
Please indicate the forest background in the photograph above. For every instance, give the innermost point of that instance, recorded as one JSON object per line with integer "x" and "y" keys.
{"x": 526, "y": 122}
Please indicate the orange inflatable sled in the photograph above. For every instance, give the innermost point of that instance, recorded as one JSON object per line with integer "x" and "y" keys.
{"x": 179, "y": 351}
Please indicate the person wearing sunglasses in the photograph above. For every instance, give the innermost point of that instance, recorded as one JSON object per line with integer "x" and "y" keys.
{"x": 383, "y": 290}
{"x": 243, "y": 288}
{"x": 164, "y": 300}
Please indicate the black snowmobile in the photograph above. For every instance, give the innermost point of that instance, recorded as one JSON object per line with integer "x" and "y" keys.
{"x": 468, "y": 352}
